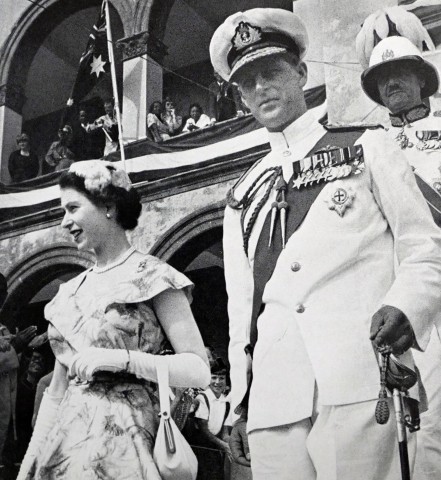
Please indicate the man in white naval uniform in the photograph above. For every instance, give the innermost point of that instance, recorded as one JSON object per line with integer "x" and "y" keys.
{"x": 334, "y": 292}
{"x": 398, "y": 79}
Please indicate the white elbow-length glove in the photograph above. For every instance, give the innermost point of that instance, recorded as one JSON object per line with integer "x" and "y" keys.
{"x": 46, "y": 419}
{"x": 185, "y": 369}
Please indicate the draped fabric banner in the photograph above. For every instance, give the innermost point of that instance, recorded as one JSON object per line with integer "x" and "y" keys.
{"x": 150, "y": 161}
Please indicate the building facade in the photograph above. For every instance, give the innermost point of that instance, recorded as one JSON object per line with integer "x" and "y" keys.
{"x": 161, "y": 48}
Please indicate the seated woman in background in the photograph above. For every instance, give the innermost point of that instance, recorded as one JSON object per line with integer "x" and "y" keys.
{"x": 197, "y": 119}
{"x": 107, "y": 327}
{"x": 23, "y": 164}
{"x": 158, "y": 130}
{"x": 170, "y": 118}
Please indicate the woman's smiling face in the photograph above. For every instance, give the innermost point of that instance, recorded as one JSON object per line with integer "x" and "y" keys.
{"x": 84, "y": 220}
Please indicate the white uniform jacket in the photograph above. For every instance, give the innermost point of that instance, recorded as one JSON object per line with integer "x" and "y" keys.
{"x": 333, "y": 275}
{"x": 423, "y": 156}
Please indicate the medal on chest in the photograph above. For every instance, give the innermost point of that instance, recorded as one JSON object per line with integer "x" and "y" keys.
{"x": 428, "y": 139}
{"x": 328, "y": 164}
{"x": 340, "y": 200}
{"x": 405, "y": 120}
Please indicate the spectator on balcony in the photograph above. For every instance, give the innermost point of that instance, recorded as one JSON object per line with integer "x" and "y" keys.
{"x": 84, "y": 139}
{"x": 60, "y": 155}
{"x": 23, "y": 164}
{"x": 109, "y": 125}
{"x": 197, "y": 119}
{"x": 157, "y": 129}
{"x": 170, "y": 118}
{"x": 224, "y": 100}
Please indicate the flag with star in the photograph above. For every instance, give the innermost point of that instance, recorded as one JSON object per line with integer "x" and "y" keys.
{"x": 94, "y": 62}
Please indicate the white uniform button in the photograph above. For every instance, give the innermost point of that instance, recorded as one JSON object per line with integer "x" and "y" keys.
{"x": 286, "y": 153}
{"x": 295, "y": 267}
{"x": 300, "y": 308}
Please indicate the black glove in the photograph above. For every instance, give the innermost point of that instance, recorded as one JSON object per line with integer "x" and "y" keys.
{"x": 391, "y": 331}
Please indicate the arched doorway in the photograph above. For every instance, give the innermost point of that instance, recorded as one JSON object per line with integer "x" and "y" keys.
{"x": 39, "y": 68}
{"x": 194, "y": 246}
{"x": 33, "y": 282}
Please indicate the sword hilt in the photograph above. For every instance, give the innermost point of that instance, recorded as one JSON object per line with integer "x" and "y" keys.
{"x": 382, "y": 412}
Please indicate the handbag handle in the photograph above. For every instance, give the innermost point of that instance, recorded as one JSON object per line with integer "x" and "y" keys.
{"x": 164, "y": 403}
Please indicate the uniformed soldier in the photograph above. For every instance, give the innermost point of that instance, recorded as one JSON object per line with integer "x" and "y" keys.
{"x": 402, "y": 81}
{"x": 311, "y": 233}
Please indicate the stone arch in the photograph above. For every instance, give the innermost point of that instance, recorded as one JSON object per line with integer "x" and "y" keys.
{"x": 158, "y": 13}
{"x": 191, "y": 239}
{"x": 37, "y": 270}
{"x": 38, "y": 20}
{"x": 24, "y": 107}
{"x": 190, "y": 236}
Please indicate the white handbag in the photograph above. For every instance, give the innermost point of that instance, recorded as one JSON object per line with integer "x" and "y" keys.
{"x": 173, "y": 455}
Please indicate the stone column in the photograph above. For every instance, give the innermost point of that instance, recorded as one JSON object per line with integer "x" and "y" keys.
{"x": 142, "y": 85}
{"x": 307, "y": 11}
{"x": 11, "y": 104}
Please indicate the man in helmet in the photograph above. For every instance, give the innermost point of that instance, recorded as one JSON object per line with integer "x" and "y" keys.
{"x": 402, "y": 81}
{"x": 310, "y": 237}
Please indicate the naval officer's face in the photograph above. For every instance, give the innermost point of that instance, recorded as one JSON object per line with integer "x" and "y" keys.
{"x": 272, "y": 88}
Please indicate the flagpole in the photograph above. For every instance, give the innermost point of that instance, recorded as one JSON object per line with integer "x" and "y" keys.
{"x": 114, "y": 85}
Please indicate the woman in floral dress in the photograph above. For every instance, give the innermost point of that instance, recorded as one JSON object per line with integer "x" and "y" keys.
{"x": 99, "y": 417}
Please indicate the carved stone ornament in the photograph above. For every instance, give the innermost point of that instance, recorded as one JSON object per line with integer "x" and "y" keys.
{"x": 141, "y": 44}
{"x": 12, "y": 97}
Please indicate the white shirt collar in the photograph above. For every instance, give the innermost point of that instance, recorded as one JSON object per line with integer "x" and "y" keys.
{"x": 295, "y": 132}
{"x": 212, "y": 397}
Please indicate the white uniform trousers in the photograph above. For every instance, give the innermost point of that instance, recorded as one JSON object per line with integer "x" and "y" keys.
{"x": 428, "y": 459}
{"x": 343, "y": 443}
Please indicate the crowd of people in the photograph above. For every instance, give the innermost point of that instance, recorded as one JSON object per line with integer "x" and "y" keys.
{"x": 332, "y": 256}
{"x": 25, "y": 358}
{"x": 224, "y": 103}
{"x": 78, "y": 140}
{"x": 82, "y": 139}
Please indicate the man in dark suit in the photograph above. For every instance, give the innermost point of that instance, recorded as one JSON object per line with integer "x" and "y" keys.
{"x": 224, "y": 100}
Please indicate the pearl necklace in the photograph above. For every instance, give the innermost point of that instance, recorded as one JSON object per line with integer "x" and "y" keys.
{"x": 119, "y": 261}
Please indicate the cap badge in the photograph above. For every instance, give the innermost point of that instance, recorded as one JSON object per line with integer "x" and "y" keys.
{"x": 388, "y": 55}
{"x": 246, "y": 35}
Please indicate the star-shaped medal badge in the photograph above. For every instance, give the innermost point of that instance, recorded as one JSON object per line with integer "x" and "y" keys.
{"x": 97, "y": 66}
{"x": 340, "y": 200}
{"x": 299, "y": 181}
